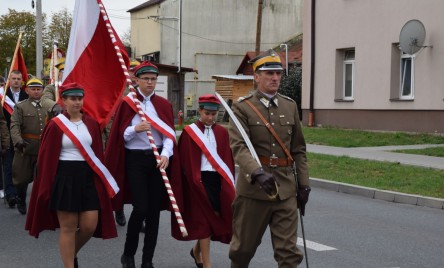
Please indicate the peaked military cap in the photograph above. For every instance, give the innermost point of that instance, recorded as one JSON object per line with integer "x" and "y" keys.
{"x": 34, "y": 82}
{"x": 267, "y": 61}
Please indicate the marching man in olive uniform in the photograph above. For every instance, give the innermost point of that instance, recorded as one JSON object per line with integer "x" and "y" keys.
{"x": 48, "y": 100}
{"x": 27, "y": 122}
{"x": 268, "y": 195}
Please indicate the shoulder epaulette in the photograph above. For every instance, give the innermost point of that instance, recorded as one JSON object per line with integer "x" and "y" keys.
{"x": 286, "y": 97}
{"x": 240, "y": 99}
{"x": 22, "y": 101}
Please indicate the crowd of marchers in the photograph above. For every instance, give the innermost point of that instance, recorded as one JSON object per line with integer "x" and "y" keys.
{"x": 82, "y": 176}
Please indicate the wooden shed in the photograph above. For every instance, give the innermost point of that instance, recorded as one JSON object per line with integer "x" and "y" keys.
{"x": 231, "y": 87}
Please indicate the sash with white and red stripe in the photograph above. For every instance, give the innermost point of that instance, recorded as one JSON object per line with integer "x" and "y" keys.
{"x": 155, "y": 121}
{"x": 86, "y": 151}
{"x": 9, "y": 104}
{"x": 210, "y": 153}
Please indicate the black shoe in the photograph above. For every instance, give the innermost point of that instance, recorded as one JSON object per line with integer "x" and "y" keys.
{"x": 147, "y": 265}
{"x": 120, "y": 218}
{"x": 127, "y": 261}
{"x": 11, "y": 200}
{"x": 198, "y": 264}
{"x": 21, "y": 206}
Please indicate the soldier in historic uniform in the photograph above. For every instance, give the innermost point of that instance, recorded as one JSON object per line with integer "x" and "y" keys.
{"x": 268, "y": 195}
{"x": 27, "y": 123}
{"x": 48, "y": 100}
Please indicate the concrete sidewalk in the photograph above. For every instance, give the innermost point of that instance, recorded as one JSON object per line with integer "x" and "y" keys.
{"x": 381, "y": 154}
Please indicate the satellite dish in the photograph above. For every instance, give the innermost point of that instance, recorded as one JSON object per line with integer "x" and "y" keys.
{"x": 412, "y": 36}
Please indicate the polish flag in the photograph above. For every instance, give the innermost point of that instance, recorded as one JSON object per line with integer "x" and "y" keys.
{"x": 92, "y": 60}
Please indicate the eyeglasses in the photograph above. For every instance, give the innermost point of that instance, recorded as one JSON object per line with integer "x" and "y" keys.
{"x": 149, "y": 79}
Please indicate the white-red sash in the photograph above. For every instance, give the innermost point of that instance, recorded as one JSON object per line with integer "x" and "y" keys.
{"x": 86, "y": 151}
{"x": 155, "y": 121}
{"x": 9, "y": 104}
{"x": 210, "y": 153}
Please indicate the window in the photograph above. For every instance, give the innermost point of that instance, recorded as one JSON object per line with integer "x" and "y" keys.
{"x": 349, "y": 74}
{"x": 407, "y": 76}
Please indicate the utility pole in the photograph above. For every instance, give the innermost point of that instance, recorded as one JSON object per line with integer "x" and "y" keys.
{"x": 39, "y": 47}
{"x": 259, "y": 26}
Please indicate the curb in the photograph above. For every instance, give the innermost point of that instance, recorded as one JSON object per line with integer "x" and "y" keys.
{"x": 373, "y": 193}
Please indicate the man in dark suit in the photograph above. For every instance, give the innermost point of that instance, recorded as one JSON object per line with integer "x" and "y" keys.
{"x": 14, "y": 94}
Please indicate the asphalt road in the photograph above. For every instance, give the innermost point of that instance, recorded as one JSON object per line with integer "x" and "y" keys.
{"x": 342, "y": 231}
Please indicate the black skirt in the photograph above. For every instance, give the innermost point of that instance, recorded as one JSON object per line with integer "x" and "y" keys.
{"x": 74, "y": 189}
{"x": 211, "y": 182}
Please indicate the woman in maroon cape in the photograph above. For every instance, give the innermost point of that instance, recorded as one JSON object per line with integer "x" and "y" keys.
{"x": 209, "y": 180}
{"x": 67, "y": 194}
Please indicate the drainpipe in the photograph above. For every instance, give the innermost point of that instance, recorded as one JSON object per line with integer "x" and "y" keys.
{"x": 179, "y": 39}
{"x": 312, "y": 67}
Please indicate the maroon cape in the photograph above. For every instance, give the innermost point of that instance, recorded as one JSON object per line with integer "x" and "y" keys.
{"x": 115, "y": 156}
{"x": 39, "y": 216}
{"x": 199, "y": 217}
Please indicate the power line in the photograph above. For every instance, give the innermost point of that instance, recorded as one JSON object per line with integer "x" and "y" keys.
{"x": 213, "y": 40}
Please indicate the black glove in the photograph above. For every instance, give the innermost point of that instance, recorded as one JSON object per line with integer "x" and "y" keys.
{"x": 21, "y": 145}
{"x": 56, "y": 109}
{"x": 265, "y": 180}
{"x": 303, "y": 193}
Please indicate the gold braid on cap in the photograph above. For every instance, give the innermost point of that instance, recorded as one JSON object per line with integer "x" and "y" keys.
{"x": 266, "y": 59}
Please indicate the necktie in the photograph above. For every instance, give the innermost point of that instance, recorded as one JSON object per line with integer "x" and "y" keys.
{"x": 207, "y": 130}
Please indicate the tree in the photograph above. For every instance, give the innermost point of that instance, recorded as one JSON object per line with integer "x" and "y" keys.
{"x": 13, "y": 22}
{"x": 291, "y": 85}
{"x": 10, "y": 26}
{"x": 59, "y": 29}
{"x": 126, "y": 38}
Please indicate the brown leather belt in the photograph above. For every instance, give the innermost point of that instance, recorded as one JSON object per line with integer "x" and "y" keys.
{"x": 273, "y": 161}
{"x": 31, "y": 136}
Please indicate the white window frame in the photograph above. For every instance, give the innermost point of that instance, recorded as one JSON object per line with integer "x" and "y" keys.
{"x": 402, "y": 81}
{"x": 344, "y": 71}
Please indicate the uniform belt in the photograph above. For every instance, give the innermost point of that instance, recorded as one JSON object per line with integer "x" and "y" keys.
{"x": 273, "y": 161}
{"x": 30, "y": 136}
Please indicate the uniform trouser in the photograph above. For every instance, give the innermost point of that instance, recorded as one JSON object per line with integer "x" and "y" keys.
{"x": 7, "y": 173}
{"x": 147, "y": 192}
{"x": 23, "y": 172}
{"x": 250, "y": 220}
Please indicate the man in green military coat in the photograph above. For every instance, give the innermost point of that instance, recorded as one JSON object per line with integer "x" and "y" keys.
{"x": 268, "y": 195}
{"x": 48, "y": 100}
{"x": 27, "y": 122}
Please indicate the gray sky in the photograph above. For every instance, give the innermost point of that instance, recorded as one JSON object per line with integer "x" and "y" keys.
{"x": 120, "y": 19}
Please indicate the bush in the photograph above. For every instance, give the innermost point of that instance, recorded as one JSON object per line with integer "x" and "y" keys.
{"x": 291, "y": 85}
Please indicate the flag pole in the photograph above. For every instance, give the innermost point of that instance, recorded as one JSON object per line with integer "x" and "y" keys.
{"x": 142, "y": 115}
{"x": 55, "y": 72}
{"x": 11, "y": 67}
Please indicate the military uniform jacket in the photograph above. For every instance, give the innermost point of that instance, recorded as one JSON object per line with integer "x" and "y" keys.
{"x": 283, "y": 116}
{"x": 27, "y": 123}
{"x": 4, "y": 132}
{"x": 48, "y": 98}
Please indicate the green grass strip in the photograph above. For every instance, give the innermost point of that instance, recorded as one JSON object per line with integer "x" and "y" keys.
{"x": 379, "y": 175}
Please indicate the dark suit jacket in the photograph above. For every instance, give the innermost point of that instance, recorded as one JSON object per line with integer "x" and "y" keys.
{"x": 23, "y": 96}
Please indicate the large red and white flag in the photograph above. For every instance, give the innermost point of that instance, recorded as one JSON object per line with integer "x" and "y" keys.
{"x": 92, "y": 60}
{"x": 18, "y": 63}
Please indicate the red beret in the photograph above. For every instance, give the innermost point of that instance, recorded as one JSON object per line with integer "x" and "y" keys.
{"x": 209, "y": 102}
{"x": 145, "y": 67}
{"x": 71, "y": 89}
